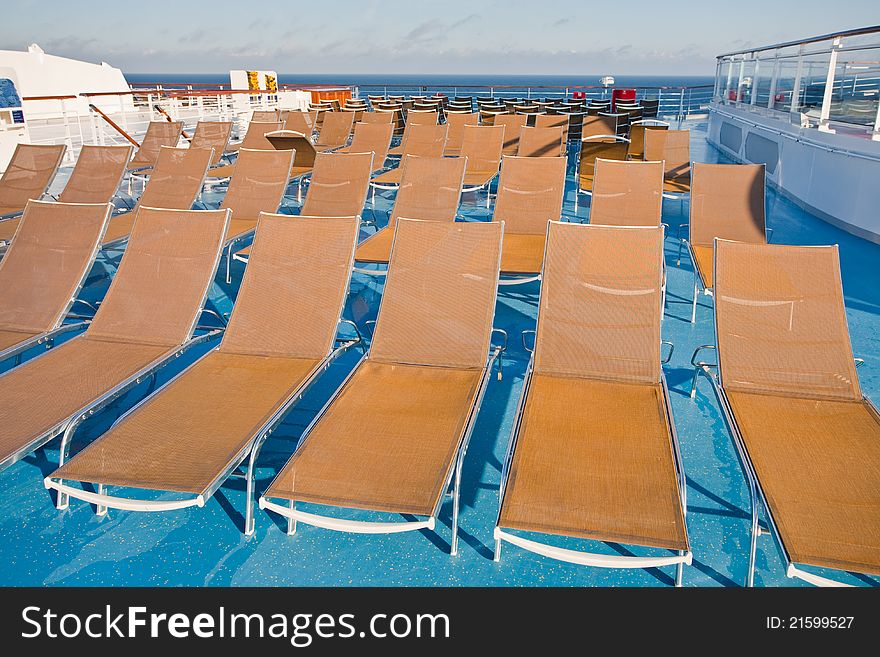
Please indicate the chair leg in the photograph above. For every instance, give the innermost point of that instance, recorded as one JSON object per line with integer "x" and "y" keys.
{"x": 100, "y": 510}
{"x": 679, "y": 571}
{"x": 496, "y": 556}
{"x": 291, "y": 522}
{"x": 678, "y": 257}
{"x": 453, "y": 550}
{"x": 229, "y": 264}
{"x": 696, "y": 294}
{"x": 753, "y": 544}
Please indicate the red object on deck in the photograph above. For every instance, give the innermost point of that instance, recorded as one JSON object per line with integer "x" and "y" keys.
{"x": 578, "y": 95}
{"x": 625, "y": 95}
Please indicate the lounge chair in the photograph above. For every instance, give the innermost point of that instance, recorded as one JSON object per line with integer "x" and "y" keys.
{"x": 673, "y": 148}
{"x": 378, "y": 117}
{"x": 455, "y": 124}
{"x": 530, "y": 194}
{"x": 197, "y": 430}
{"x": 727, "y": 202}
{"x": 43, "y": 270}
{"x": 483, "y": 146}
{"x": 146, "y": 320}
{"x": 335, "y": 131}
{"x": 553, "y": 121}
{"x": 636, "y": 148}
{"x": 28, "y": 176}
{"x": 541, "y": 142}
{"x": 807, "y": 439}
{"x": 175, "y": 184}
{"x": 304, "y": 149}
{"x": 430, "y": 189}
{"x": 513, "y": 125}
{"x": 263, "y": 116}
{"x": 212, "y": 134}
{"x": 159, "y": 134}
{"x": 372, "y": 138}
{"x": 258, "y": 186}
{"x": 414, "y": 120}
{"x": 300, "y": 121}
{"x": 627, "y": 193}
{"x": 255, "y": 139}
{"x": 95, "y": 178}
{"x": 593, "y": 453}
{"x": 393, "y": 437}
{"x": 337, "y": 188}
{"x": 593, "y": 147}
{"x": 419, "y": 141}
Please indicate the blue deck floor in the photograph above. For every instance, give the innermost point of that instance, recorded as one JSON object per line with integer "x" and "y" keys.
{"x": 41, "y": 546}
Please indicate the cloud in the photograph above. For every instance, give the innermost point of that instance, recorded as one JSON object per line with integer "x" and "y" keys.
{"x": 561, "y": 22}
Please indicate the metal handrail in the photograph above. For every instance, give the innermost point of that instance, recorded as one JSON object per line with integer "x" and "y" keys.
{"x": 787, "y": 44}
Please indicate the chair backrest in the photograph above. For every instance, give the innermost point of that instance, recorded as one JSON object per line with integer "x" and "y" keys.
{"x": 780, "y": 321}
{"x": 97, "y": 174}
{"x": 553, "y": 121}
{"x": 430, "y": 188}
{"x": 673, "y": 147}
{"x": 594, "y": 126}
{"x": 530, "y": 192}
{"x": 299, "y": 268}
{"x": 627, "y": 193}
{"x": 513, "y": 125}
{"x": 255, "y": 137}
{"x": 601, "y": 303}
{"x": 177, "y": 178}
{"x": 541, "y": 142}
{"x": 637, "y": 136}
{"x": 54, "y": 247}
{"x": 455, "y": 123}
{"x": 258, "y": 182}
{"x": 29, "y": 173}
{"x": 727, "y": 201}
{"x": 339, "y": 184}
{"x": 421, "y": 117}
{"x": 264, "y": 116}
{"x": 448, "y": 322}
{"x": 336, "y": 128}
{"x": 483, "y": 145}
{"x": 159, "y": 289}
{"x": 424, "y": 140}
{"x": 377, "y": 117}
{"x": 212, "y": 134}
{"x": 159, "y": 134}
{"x": 373, "y": 138}
{"x": 300, "y": 121}
{"x": 593, "y": 149}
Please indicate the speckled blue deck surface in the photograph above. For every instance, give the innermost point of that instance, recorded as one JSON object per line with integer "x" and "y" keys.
{"x": 42, "y": 546}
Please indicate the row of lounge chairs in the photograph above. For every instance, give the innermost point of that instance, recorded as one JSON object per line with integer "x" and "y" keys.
{"x": 751, "y": 373}
{"x": 605, "y": 467}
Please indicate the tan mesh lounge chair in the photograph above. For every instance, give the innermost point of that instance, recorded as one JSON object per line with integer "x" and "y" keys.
{"x": 674, "y": 148}
{"x": 335, "y": 131}
{"x": 530, "y": 193}
{"x": 430, "y": 189}
{"x": 727, "y": 201}
{"x": 255, "y": 139}
{"x": 372, "y": 138}
{"x": 378, "y": 117}
{"x": 261, "y": 116}
{"x": 257, "y": 186}
{"x": 44, "y": 269}
{"x": 97, "y": 174}
{"x": 541, "y": 142}
{"x": 28, "y": 176}
{"x": 592, "y": 148}
{"x": 594, "y": 454}
{"x": 808, "y": 441}
{"x": 599, "y": 126}
{"x": 304, "y": 161}
{"x": 175, "y": 183}
{"x": 553, "y": 121}
{"x": 414, "y": 118}
{"x": 636, "y": 148}
{"x": 483, "y": 146}
{"x": 212, "y": 134}
{"x": 212, "y": 419}
{"x": 393, "y": 437}
{"x": 425, "y": 136}
{"x": 159, "y": 134}
{"x": 513, "y": 125}
{"x": 338, "y": 188}
{"x": 147, "y": 318}
{"x": 627, "y": 193}
{"x": 418, "y": 140}
{"x": 455, "y": 124}
{"x": 300, "y": 121}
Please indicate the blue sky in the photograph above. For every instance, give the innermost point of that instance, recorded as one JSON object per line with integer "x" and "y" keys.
{"x": 415, "y": 36}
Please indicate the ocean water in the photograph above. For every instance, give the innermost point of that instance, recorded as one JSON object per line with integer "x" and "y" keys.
{"x": 435, "y": 80}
